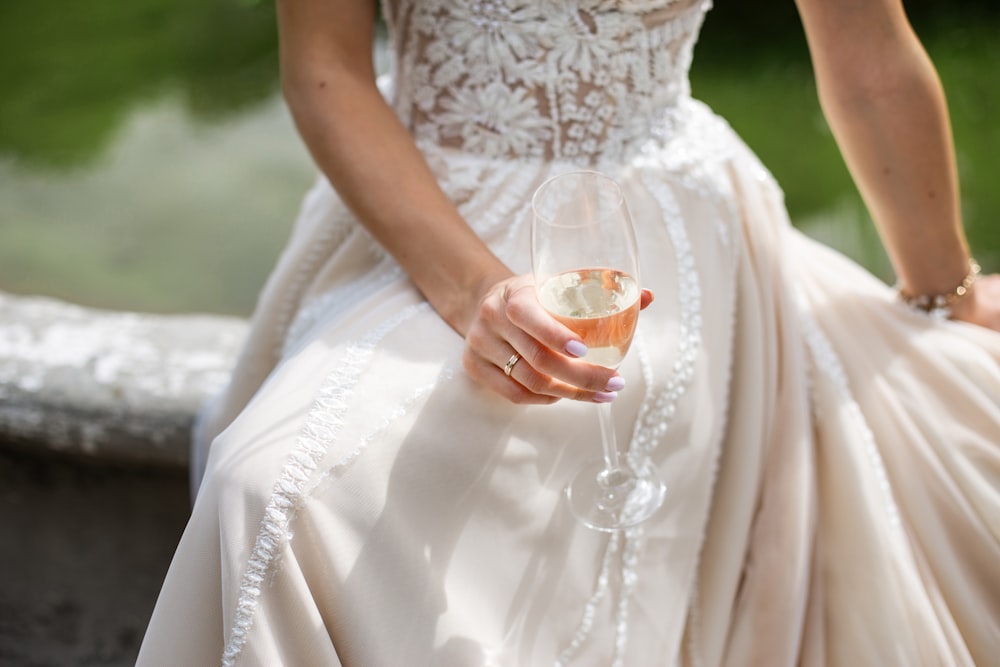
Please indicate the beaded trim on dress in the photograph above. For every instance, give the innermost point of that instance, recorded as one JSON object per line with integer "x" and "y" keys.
{"x": 652, "y": 424}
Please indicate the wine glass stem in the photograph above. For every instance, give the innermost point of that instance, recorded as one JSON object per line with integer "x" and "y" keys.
{"x": 612, "y": 458}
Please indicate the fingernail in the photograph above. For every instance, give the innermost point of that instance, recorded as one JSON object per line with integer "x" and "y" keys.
{"x": 617, "y": 383}
{"x": 576, "y": 348}
{"x": 605, "y": 396}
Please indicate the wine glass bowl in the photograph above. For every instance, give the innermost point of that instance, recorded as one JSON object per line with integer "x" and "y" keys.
{"x": 585, "y": 262}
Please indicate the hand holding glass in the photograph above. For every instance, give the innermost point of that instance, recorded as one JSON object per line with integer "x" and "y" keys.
{"x": 586, "y": 268}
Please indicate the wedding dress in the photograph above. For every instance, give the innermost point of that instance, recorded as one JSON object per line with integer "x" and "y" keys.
{"x": 831, "y": 457}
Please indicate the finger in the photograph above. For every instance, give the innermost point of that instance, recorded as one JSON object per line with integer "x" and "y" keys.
{"x": 524, "y": 385}
{"x": 550, "y": 347}
{"x": 545, "y": 371}
{"x": 514, "y": 317}
{"x": 521, "y": 308}
{"x": 545, "y": 385}
{"x": 645, "y": 298}
{"x": 488, "y": 375}
{"x": 531, "y": 365}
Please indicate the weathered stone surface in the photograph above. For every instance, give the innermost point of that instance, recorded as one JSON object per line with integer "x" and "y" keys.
{"x": 85, "y": 552}
{"x": 122, "y": 387}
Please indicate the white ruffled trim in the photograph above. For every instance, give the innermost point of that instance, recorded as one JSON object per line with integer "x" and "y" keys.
{"x": 322, "y": 425}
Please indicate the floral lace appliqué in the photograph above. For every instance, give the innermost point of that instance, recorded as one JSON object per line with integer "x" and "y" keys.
{"x": 555, "y": 79}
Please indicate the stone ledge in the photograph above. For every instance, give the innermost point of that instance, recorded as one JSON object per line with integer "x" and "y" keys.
{"x": 112, "y": 386}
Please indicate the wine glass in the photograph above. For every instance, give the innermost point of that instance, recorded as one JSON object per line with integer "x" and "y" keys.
{"x": 586, "y": 268}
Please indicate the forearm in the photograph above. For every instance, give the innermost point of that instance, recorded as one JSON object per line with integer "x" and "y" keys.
{"x": 374, "y": 165}
{"x": 885, "y": 105}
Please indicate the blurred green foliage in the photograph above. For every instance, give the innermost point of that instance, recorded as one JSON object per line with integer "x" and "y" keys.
{"x": 70, "y": 72}
{"x": 753, "y": 68}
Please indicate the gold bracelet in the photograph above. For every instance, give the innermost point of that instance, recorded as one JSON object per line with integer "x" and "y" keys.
{"x": 939, "y": 305}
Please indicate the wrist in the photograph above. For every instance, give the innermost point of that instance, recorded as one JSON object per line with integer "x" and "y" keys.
{"x": 460, "y": 304}
{"x": 947, "y": 303}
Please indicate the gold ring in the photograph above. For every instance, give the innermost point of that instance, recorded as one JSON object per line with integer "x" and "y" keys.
{"x": 509, "y": 366}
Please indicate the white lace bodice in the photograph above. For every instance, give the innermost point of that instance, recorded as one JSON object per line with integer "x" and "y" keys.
{"x": 577, "y": 80}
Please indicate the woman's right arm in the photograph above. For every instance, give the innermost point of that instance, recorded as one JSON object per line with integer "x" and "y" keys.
{"x": 328, "y": 80}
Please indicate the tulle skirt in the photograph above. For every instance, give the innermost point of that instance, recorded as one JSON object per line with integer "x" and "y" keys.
{"x": 831, "y": 457}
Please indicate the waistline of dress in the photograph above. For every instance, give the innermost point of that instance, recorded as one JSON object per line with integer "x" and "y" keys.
{"x": 687, "y": 126}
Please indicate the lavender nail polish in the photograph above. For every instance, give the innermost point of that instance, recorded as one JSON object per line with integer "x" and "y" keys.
{"x": 576, "y": 348}
{"x": 617, "y": 383}
{"x": 605, "y": 396}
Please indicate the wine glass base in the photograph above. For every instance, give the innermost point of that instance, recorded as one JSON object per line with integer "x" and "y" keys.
{"x": 612, "y": 500}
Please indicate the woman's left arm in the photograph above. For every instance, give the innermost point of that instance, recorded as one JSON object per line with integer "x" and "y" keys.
{"x": 884, "y": 102}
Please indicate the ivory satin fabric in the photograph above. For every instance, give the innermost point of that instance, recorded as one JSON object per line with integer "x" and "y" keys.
{"x": 831, "y": 458}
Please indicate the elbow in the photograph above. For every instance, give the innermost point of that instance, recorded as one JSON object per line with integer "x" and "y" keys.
{"x": 299, "y": 87}
{"x": 893, "y": 75}
{"x": 324, "y": 84}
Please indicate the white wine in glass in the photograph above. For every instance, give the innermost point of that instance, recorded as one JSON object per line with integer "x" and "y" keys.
{"x": 586, "y": 267}
{"x": 600, "y": 305}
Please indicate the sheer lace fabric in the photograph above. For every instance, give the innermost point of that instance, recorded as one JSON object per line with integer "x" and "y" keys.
{"x": 581, "y": 81}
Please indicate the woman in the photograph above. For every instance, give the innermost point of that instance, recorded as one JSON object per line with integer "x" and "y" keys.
{"x": 386, "y": 488}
